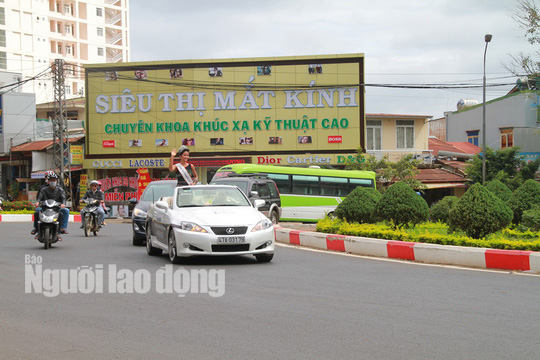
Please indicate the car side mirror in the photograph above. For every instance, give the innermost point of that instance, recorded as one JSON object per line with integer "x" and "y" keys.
{"x": 253, "y": 193}
{"x": 162, "y": 205}
{"x": 258, "y": 203}
{"x": 133, "y": 201}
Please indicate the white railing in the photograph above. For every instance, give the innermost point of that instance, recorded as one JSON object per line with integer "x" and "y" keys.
{"x": 113, "y": 40}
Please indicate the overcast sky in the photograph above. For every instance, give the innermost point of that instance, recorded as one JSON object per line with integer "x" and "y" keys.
{"x": 404, "y": 42}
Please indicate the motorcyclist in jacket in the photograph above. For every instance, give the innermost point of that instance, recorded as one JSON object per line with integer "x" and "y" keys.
{"x": 55, "y": 192}
{"x": 38, "y": 208}
{"x": 94, "y": 193}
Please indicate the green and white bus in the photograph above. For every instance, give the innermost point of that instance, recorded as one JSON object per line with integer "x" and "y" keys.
{"x": 307, "y": 194}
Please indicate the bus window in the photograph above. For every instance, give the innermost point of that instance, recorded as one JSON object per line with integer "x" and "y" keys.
{"x": 305, "y": 185}
{"x": 282, "y": 182}
{"x": 332, "y": 186}
{"x": 354, "y": 183}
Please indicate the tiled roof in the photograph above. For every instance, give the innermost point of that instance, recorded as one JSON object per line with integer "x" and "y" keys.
{"x": 39, "y": 145}
{"x": 456, "y": 147}
{"x": 438, "y": 176}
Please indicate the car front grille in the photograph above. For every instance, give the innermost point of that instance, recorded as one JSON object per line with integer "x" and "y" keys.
{"x": 230, "y": 248}
{"x": 222, "y": 230}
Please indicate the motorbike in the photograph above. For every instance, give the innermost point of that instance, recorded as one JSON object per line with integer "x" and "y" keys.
{"x": 90, "y": 216}
{"x": 48, "y": 225}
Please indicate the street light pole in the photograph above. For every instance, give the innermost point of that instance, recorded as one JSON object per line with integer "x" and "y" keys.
{"x": 487, "y": 38}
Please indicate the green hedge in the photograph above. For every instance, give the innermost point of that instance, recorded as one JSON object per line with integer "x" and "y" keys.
{"x": 433, "y": 234}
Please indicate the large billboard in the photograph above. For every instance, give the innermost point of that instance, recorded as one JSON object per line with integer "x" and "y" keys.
{"x": 271, "y": 105}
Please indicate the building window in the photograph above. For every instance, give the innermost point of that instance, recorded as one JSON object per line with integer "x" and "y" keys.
{"x": 472, "y": 136}
{"x": 68, "y": 50}
{"x": 60, "y": 49}
{"x": 99, "y": 12}
{"x": 100, "y": 51}
{"x": 374, "y": 134}
{"x": 2, "y": 16}
{"x": 405, "y": 134}
{"x": 3, "y": 38}
{"x": 99, "y": 31}
{"x": 68, "y": 29}
{"x": 507, "y": 138}
{"x": 3, "y": 60}
{"x": 67, "y": 89}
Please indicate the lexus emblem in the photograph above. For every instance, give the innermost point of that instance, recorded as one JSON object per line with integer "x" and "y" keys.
{"x": 230, "y": 231}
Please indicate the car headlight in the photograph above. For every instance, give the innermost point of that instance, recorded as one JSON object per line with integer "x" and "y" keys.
{"x": 263, "y": 224}
{"x": 189, "y": 226}
{"x": 139, "y": 212}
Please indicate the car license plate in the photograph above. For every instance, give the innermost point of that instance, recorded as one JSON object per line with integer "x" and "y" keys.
{"x": 231, "y": 239}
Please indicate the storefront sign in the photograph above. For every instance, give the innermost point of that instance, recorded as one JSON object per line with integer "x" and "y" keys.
{"x": 76, "y": 154}
{"x": 321, "y": 159}
{"x": 159, "y": 116}
{"x": 218, "y": 161}
{"x": 107, "y": 163}
{"x": 83, "y": 184}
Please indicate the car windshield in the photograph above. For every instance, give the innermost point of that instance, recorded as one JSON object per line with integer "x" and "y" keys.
{"x": 210, "y": 196}
{"x": 241, "y": 184}
{"x": 155, "y": 191}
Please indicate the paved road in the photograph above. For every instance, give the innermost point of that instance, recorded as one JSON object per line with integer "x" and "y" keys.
{"x": 303, "y": 305}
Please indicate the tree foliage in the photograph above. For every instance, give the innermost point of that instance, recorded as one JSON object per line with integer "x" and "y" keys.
{"x": 499, "y": 189}
{"x": 401, "y": 206}
{"x": 359, "y": 206}
{"x": 479, "y": 213}
{"x": 524, "y": 198}
{"x": 388, "y": 172}
{"x": 505, "y": 165}
{"x": 527, "y": 16}
{"x": 531, "y": 218}
{"x": 441, "y": 209}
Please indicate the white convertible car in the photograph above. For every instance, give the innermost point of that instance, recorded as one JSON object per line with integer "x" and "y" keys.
{"x": 213, "y": 220}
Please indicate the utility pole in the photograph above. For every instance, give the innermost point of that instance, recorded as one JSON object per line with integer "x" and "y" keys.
{"x": 61, "y": 159}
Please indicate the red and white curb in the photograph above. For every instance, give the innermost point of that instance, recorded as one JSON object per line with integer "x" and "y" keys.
{"x": 426, "y": 253}
{"x": 30, "y": 218}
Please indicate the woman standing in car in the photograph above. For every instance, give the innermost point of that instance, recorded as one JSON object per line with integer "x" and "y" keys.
{"x": 186, "y": 172}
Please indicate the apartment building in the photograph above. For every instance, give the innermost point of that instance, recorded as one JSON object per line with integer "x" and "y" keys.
{"x": 33, "y": 33}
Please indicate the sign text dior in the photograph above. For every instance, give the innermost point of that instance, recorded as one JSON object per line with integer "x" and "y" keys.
{"x": 195, "y": 101}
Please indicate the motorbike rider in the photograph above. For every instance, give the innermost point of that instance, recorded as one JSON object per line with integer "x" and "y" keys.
{"x": 55, "y": 192}
{"x": 94, "y": 193}
{"x": 38, "y": 208}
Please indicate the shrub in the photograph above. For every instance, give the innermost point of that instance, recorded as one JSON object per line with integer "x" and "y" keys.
{"x": 440, "y": 210}
{"x": 402, "y": 206}
{"x": 531, "y": 218}
{"x": 526, "y": 196}
{"x": 479, "y": 213}
{"x": 17, "y": 205}
{"x": 359, "y": 206}
{"x": 499, "y": 189}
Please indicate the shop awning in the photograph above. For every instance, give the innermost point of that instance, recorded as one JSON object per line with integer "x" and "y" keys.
{"x": 446, "y": 185}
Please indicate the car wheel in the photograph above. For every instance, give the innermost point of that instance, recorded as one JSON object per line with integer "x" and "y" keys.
{"x": 175, "y": 259}
{"x": 264, "y": 258}
{"x": 150, "y": 250}
{"x": 274, "y": 217}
